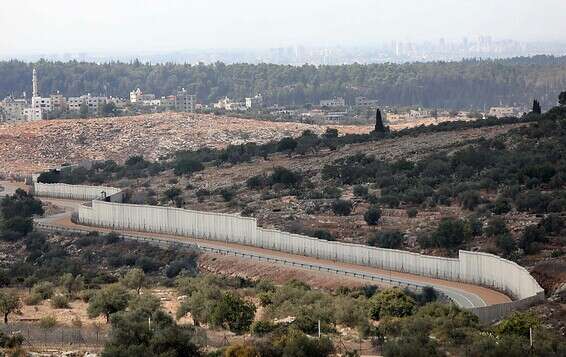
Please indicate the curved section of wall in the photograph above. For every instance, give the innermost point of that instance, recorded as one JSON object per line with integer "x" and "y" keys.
{"x": 77, "y": 192}
{"x": 471, "y": 267}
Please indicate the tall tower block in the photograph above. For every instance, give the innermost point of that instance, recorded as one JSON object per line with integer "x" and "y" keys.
{"x": 35, "y": 91}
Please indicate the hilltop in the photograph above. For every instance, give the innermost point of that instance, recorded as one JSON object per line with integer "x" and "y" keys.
{"x": 32, "y": 146}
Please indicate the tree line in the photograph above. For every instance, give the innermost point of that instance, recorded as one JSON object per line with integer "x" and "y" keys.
{"x": 464, "y": 84}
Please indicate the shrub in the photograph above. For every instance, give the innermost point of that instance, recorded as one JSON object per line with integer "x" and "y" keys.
{"x": 285, "y": 177}
{"x": 287, "y": 144}
{"x": 227, "y": 194}
{"x": 342, "y": 207}
{"x": 412, "y": 212}
{"x": 391, "y": 302}
{"x": 450, "y": 233}
{"x": 187, "y": 166}
{"x": 172, "y": 192}
{"x": 265, "y": 299}
{"x": 532, "y": 201}
{"x": 33, "y": 299}
{"x": 323, "y": 234}
{"x": 552, "y": 223}
{"x": 233, "y": 313}
{"x": 531, "y": 237}
{"x": 262, "y": 328}
{"x": 372, "y": 215}
{"x": 257, "y": 182}
{"x": 60, "y": 301}
{"x": 391, "y": 240}
{"x": 360, "y": 191}
{"x": 518, "y": 323}
{"x": 506, "y": 244}
{"x": 470, "y": 199}
{"x": 44, "y": 289}
{"x": 502, "y": 205}
{"x": 391, "y": 201}
{"x": 331, "y": 192}
{"x": 496, "y": 226}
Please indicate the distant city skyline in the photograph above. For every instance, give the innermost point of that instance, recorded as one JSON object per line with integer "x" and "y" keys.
{"x": 443, "y": 49}
{"x": 143, "y": 26}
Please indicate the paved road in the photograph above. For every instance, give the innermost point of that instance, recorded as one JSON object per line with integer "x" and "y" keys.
{"x": 465, "y": 295}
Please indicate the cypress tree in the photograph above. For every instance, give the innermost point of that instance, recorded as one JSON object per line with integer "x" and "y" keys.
{"x": 379, "y": 127}
{"x": 536, "y": 107}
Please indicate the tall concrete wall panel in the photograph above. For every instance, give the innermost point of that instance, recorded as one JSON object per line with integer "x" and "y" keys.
{"x": 472, "y": 267}
{"x": 76, "y": 192}
{"x": 491, "y": 270}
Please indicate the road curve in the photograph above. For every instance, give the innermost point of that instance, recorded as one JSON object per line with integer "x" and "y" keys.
{"x": 465, "y": 295}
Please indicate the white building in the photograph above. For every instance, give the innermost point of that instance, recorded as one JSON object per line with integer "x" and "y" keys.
{"x": 502, "y": 112}
{"x": 185, "y": 102}
{"x": 32, "y": 114}
{"x": 365, "y": 102}
{"x": 93, "y": 103}
{"x": 419, "y": 114}
{"x": 74, "y": 103}
{"x": 333, "y": 103}
{"x": 254, "y": 102}
{"x": 229, "y": 105}
{"x": 42, "y": 103}
{"x": 137, "y": 96}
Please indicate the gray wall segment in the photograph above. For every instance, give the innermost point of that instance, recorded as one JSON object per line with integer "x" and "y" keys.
{"x": 76, "y": 192}
{"x": 471, "y": 267}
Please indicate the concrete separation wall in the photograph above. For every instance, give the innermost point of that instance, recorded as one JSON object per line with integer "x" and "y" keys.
{"x": 471, "y": 267}
{"x": 77, "y": 192}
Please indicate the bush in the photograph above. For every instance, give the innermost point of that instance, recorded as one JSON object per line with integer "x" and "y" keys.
{"x": 552, "y": 224}
{"x": 44, "y": 289}
{"x": 342, "y": 207}
{"x": 187, "y": 166}
{"x": 531, "y": 237}
{"x": 391, "y": 240}
{"x": 502, "y": 205}
{"x": 470, "y": 199}
{"x": 287, "y": 144}
{"x": 323, "y": 234}
{"x": 172, "y": 192}
{"x": 412, "y": 212}
{"x": 391, "y": 302}
{"x": 372, "y": 216}
{"x": 360, "y": 191}
{"x": 285, "y": 177}
{"x": 60, "y": 301}
{"x": 518, "y": 324}
{"x": 233, "y": 313}
{"x": 33, "y": 299}
{"x": 257, "y": 182}
{"x": 496, "y": 226}
{"x": 450, "y": 233}
{"x": 227, "y": 194}
{"x": 262, "y": 328}
{"x": 506, "y": 244}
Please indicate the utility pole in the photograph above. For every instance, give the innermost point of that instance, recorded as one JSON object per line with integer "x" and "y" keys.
{"x": 319, "y": 329}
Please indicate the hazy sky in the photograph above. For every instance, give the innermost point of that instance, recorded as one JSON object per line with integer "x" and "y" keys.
{"x": 57, "y": 26}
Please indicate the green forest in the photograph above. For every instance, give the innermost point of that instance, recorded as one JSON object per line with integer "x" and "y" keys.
{"x": 451, "y": 85}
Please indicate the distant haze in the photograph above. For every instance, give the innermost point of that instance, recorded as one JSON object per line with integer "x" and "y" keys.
{"x": 117, "y": 26}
